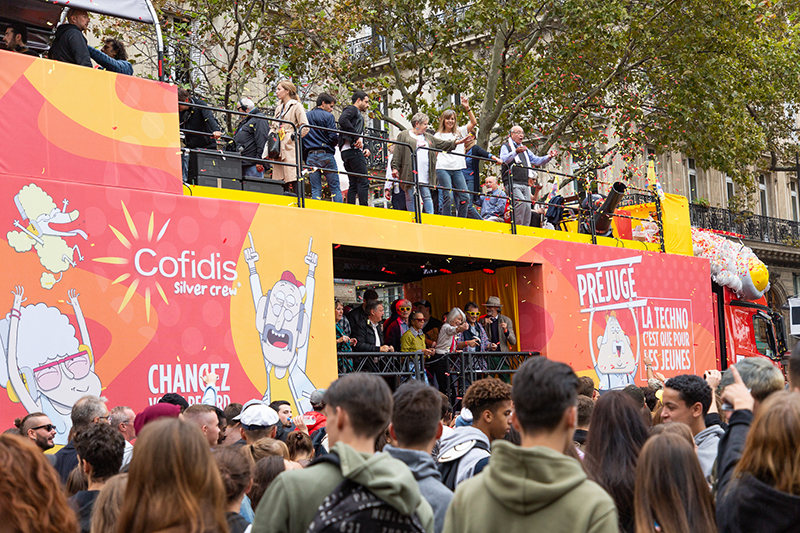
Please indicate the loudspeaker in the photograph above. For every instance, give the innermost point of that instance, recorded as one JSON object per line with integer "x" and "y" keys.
{"x": 794, "y": 316}
{"x": 213, "y": 165}
{"x": 263, "y": 185}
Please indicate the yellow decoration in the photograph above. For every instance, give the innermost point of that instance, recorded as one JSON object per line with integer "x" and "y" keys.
{"x": 758, "y": 273}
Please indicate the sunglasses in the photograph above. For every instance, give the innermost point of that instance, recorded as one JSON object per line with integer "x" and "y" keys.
{"x": 48, "y": 376}
{"x": 46, "y": 427}
{"x": 404, "y": 309}
{"x": 473, "y": 313}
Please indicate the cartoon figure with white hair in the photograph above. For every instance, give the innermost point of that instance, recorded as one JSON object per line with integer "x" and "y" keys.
{"x": 283, "y": 321}
{"x": 615, "y": 362}
{"x": 44, "y": 366}
{"x": 41, "y": 211}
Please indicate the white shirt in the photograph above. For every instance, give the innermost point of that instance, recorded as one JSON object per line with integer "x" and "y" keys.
{"x": 445, "y": 161}
{"x": 377, "y": 333}
{"x": 422, "y": 159}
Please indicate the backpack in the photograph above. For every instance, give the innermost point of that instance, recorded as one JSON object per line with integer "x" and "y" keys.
{"x": 448, "y": 463}
{"x": 351, "y": 507}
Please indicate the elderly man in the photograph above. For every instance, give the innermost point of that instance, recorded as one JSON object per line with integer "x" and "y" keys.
{"x": 251, "y": 136}
{"x": 494, "y": 203}
{"x": 122, "y": 418}
{"x": 69, "y": 44}
{"x": 518, "y": 161}
{"x": 499, "y": 328}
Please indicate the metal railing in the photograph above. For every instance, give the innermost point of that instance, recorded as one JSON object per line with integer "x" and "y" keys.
{"x": 463, "y": 368}
{"x": 752, "y": 227}
{"x": 379, "y": 144}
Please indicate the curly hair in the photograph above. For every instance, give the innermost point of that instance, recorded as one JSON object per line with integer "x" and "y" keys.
{"x": 102, "y": 446}
{"x": 486, "y": 394}
{"x": 692, "y": 389}
{"x": 30, "y": 493}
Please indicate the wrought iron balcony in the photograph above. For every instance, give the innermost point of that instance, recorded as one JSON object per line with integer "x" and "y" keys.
{"x": 753, "y": 227}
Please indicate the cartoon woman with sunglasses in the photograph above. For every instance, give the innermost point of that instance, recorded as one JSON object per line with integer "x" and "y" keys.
{"x": 48, "y": 368}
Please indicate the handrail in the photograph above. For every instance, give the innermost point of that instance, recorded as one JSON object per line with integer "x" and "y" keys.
{"x": 301, "y": 177}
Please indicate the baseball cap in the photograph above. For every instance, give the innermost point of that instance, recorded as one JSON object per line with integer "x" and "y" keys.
{"x": 317, "y": 397}
{"x": 257, "y": 416}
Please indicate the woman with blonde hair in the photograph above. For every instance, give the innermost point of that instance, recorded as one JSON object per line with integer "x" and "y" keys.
{"x": 450, "y": 167}
{"x": 289, "y": 109}
{"x": 173, "y": 482}
{"x": 108, "y": 504}
{"x": 671, "y": 494}
{"x": 266, "y": 447}
{"x": 30, "y": 490}
{"x": 763, "y": 492}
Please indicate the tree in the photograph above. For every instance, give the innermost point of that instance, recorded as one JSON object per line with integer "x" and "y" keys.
{"x": 712, "y": 79}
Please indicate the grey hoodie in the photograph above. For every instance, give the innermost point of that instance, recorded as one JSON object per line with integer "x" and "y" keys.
{"x": 707, "y": 442}
{"x": 292, "y": 500}
{"x": 466, "y": 466}
{"x": 430, "y": 481}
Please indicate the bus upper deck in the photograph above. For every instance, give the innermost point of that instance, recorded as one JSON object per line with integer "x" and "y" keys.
{"x": 111, "y": 262}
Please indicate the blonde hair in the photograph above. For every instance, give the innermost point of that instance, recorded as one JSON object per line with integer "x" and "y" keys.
{"x": 289, "y": 86}
{"x": 266, "y": 447}
{"x": 446, "y": 115}
{"x": 772, "y": 450}
{"x": 108, "y": 504}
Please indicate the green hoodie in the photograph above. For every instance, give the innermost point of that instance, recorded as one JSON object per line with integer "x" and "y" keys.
{"x": 292, "y": 500}
{"x": 530, "y": 489}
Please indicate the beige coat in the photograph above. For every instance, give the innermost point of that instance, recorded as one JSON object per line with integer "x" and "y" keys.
{"x": 295, "y": 114}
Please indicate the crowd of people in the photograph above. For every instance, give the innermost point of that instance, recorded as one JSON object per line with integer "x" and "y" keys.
{"x": 411, "y": 328}
{"x": 445, "y": 165}
{"x": 550, "y": 452}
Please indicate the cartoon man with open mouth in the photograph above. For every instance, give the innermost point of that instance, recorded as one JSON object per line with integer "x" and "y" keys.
{"x": 616, "y": 362}
{"x": 283, "y": 321}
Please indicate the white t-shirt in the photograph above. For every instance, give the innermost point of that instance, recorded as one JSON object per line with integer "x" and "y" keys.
{"x": 422, "y": 159}
{"x": 452, "y": 162}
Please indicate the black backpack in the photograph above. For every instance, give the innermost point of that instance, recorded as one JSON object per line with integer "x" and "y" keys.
{"x": 351, "y": 507}
{"x": 449, "y": 468}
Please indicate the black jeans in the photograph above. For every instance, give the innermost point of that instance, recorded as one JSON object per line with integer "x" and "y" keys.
{"x": 438, "y": 367}
{"x": 354, "y": 161}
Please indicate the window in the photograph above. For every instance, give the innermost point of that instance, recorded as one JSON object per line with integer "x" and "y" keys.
{"x": 180, "y": 54}
{"x": 793, "y": 187}
{"x": 762, "y": 194}
{"x": 762, "y": 328}
{"x": 729, "y": 188}
{"x": 692, "y": 181}
{"x": 796, "y": 283}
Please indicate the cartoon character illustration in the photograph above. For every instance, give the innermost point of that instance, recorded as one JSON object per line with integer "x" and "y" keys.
{"x": 283, "y": 321}
{"x": 615, "y": 362}
{"x": 41, "y": 211}
{"x": 45, "y": 366}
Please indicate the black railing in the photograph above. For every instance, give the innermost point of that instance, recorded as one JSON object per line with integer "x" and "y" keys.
{"x": 378, "y": 151}
{"x": 463, "y": 368}
{"x": 379, "y": 141}
{"x": 752, "y": 227}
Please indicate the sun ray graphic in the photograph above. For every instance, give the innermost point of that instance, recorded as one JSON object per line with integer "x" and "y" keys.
{"x": 128, "y": 243}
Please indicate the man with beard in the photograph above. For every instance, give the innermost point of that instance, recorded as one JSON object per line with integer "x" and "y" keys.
{"x": 38, "y": 428}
